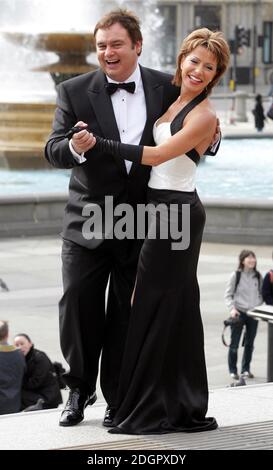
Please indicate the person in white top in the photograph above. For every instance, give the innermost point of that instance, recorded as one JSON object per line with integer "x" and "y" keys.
{"x": 163, "y": 381}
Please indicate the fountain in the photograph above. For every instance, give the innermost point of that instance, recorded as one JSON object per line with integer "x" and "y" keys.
{"x": 71, "y": 48}
{"x": 29, "y": 26}
{"x": 25, "y": 124}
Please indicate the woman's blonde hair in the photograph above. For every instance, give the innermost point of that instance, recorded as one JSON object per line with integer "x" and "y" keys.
{"x": 214, "y": 42}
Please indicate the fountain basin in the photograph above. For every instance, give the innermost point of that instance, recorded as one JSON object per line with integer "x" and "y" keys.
{"x": 24, "y": 128}
{"x": 235, "y": 188}
{"x": 72, "y": 49}
{"x": 230, "y": 221}
{"x": 243, "y": 169}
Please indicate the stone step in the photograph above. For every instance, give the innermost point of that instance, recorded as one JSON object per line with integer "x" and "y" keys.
{"x": 27, "y": 107}
{"x": 244, "y": 415}
{"x": 24, "y": 145}
{"x": 23, "y": 134}
{"x": 26, "y": 119}
{"x": 24, "y": 129}
{"x": 23, "y": 117}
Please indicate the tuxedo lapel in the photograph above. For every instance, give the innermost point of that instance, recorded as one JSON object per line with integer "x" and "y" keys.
{"x": 103, "y": 109}
{"x": 154, "y": 101}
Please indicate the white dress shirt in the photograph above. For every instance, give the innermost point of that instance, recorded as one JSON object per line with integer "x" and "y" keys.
{"x": 130, "y": 113}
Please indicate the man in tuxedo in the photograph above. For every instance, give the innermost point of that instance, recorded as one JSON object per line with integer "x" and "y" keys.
{"x": 124, "y": 114}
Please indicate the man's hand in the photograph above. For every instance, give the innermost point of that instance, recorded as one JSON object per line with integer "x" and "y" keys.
{"x": 217, "y": 134}
{"x": 83, "y": 140}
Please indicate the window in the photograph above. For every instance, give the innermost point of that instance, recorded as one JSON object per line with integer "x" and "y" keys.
{"x": 268, "y": 42}
{"x": 168, "y": 45}
{"x": 207, "y": 16}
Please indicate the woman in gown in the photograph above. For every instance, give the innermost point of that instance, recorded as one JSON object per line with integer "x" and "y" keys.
{"x": 163, "y": 382}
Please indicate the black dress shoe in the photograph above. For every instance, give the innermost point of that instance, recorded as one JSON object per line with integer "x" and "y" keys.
{"x": 109, "y": 417}
{"x": 73, "y": 412}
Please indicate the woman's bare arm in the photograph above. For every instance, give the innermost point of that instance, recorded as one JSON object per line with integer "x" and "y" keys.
{"x": 197, "y": 133}
{"x": 199, "y": 128}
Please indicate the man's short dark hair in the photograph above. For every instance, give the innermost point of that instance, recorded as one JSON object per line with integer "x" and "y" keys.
{"x": 4, "y": 329}
{"x": 127, "y": 19}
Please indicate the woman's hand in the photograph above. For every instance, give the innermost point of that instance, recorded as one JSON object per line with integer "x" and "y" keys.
{"x": 217, "y": 134}
{"x": 83, "y": 140}
{"x": 234, "y": 312}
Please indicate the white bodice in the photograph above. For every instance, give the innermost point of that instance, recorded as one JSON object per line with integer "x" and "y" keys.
{"x": 177, "y": 174}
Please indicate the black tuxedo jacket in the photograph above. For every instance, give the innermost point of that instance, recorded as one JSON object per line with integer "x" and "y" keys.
{"x": 85, "y": 98}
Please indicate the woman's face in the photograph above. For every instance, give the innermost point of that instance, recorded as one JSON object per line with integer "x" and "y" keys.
{"x": 22, "y": 343}
{"x": 249, "y": 262}
{"x": 198, "y": 69}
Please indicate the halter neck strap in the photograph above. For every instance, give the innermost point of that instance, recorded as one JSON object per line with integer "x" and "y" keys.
{"x": 177, "y": 122}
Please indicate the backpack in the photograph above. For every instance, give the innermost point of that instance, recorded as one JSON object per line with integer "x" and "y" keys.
{"x": 238, "y": 277}
{"x": 59, "y": 372}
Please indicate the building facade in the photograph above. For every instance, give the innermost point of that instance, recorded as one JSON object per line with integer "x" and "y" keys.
{"x": 254, "y": 58}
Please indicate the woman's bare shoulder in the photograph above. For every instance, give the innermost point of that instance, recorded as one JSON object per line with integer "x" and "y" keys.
{"x": 207, "y": 109}
{"x": 208, "y": 115}
{"x": 204, "y": 111}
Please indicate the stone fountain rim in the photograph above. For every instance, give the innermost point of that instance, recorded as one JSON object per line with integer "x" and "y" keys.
{"x": 72, "y": 41}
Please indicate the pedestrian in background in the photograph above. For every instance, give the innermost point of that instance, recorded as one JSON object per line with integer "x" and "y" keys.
{"x": 258, "y": 112}
{"x": 267, "y": 288}
{"x": 243, "y": 292}
{"x": 12, "y": 367}
{"x": 40, "y": 389}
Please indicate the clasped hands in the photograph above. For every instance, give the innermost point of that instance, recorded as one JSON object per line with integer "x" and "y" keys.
{"x": 84, "y": 140}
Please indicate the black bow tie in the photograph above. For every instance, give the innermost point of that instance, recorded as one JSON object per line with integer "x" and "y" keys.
{"x": 112, "y": 87}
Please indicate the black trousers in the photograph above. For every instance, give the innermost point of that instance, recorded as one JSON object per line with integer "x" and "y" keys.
{"x": 250, "y": 333}
{"x": 90, "y": 324}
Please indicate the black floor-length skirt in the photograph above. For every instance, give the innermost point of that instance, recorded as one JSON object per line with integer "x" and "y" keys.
{"x": 163, "y": 383}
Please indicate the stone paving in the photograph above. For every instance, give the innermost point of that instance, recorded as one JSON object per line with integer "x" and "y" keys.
{"x": 31, "y": 268}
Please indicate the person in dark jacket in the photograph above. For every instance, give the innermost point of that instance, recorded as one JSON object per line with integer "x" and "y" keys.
{"x": 267, "y": 289}
{"x": 12, "y": 366}
{"x": 258, "y": 112}
{"x": 40, "y": 389}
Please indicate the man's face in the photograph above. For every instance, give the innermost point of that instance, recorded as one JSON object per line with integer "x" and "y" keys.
{"x": 116, "y": 53}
